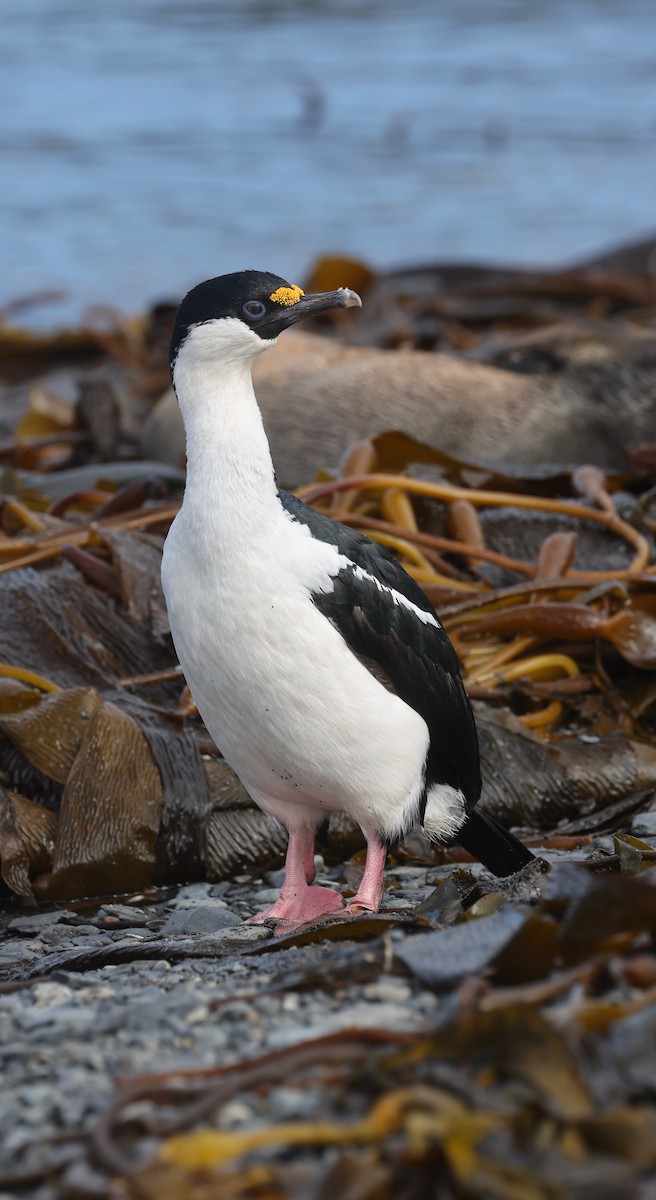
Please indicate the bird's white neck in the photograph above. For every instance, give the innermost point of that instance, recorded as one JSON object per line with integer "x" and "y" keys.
{"x": 230, "y": 474}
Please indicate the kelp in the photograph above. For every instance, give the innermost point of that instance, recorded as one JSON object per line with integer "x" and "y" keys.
{"x": 490, "y": 310}
{"x": 511, "y": 635}
{"x": 531, "y": 1077}
{"x": 123, "y": 745}
{"x": 551, "y": 661}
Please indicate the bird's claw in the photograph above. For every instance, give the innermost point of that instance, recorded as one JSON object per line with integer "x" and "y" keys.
{"x": 357, "y": 908}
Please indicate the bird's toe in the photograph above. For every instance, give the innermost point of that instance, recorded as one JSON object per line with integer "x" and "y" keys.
{"x": 301, "y": 908}
{"x": 356, "y": 907}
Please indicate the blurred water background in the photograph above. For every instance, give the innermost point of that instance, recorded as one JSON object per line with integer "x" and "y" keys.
{"x": 147, "y": 143}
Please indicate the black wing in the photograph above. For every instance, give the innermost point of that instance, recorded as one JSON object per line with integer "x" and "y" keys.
{"x": 367, "y": 606}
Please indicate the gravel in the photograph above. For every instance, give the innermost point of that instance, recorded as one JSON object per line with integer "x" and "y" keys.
{"x": 173, "y": 981}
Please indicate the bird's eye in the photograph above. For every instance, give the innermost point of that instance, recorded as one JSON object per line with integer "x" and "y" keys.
{"x": 254, "y": 308}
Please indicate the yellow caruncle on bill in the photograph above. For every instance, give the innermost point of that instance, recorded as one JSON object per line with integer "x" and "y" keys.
{"x": 287, "y": 295}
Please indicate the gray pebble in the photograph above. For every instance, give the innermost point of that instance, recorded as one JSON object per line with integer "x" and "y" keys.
{"x": 38, "y": 922}
{"x": 644, "y": 825}
{"x": 63, "y": 1040}
{"x": 388, "y": 989}
{"x": 15, "y": 954}
{"x": 243, "y": 934}
{"x": 74, "y": 935}
{"x": 45, "y": 995}
{"x": 204, "y": 918}
{"x": 125, "y": 912}
{"x": 290, "y": 1104}
{"x": 66, "y": 1020}
{"x": 265, "y": 896}
{"x": 275, "y": 878}
{"x": 81, "y": 1182}
{"x": 196, "y": 892}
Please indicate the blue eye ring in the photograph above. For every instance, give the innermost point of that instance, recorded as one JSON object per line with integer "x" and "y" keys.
{"x": 254, "y": 308}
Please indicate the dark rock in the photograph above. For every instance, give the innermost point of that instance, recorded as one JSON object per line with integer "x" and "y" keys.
{"x": 37, "y": 923}
{"x": 447, "y": 955}
{"x": 204, "y": 918}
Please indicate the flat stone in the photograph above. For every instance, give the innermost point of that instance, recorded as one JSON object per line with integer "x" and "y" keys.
{"x": 353, "y": 1016}
{"x": 293, "y": 1104}
{"x": 16, "y": 954}
{"x": 61, "y": 1020}
{"x": 125, "y": 912}
{"x": 38, "y": 922}
{"x": 276, "y": 878}
{"x": 204, "y": 918}
{"x": 196, "y": 892}
{"x": 202, "y": 902}
{"x": 46, "y": 995}
{"x": 93, "y": 992}
{"x": 388, "y": 990}
{"x": 65, "y": 935}
{"x": 443, "y": 957}
{"x": 242, "y": 934}
{"x": 81, "y": 1182}
{"x": 265, "y": 896}
{"x": 644, "y": 825}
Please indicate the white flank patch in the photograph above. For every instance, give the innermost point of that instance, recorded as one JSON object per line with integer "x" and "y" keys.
{"x": 426, "y": 617}
{"x": 445, "y": 812}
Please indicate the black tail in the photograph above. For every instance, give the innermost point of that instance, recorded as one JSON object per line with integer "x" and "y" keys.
{"x": 500, "y": 851}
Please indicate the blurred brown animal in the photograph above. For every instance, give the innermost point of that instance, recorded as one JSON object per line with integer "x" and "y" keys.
{"x": 586, "y": 393}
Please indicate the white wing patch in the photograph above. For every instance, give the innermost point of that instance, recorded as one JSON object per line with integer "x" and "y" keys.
{"x": 428, "y": 618}
{"x": 328, "y": 562}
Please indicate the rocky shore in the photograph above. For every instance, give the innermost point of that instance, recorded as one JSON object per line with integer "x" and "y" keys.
{"x": 96, "y": 998}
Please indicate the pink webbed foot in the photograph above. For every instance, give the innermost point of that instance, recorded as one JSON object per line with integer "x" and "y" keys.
{"x": 358, "y": 906}
{"x": 298, "y": 903}
{"x": 364, "y": 904}
{"x": 306, "y": 905}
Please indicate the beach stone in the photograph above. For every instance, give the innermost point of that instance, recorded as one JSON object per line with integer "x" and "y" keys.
{"x": 80, "y": 1182}
{"x": 386, "y": 989}
{"x": 37, "y": 922}
{"x": 293, "y": 1104}
{"x": 200, "y": 919}
{"x": 46, "y": 995}
{"x": 644, "y": 826}
{"x": 218, "y": 890}
{"x": 266, "y": 896}
{"x": 125, "y": 912}
{"x": 243, "y": 934}
{"x": 194, "y": 893}
{"x": 275, "y": 878}
{"x": 15, "y": 953}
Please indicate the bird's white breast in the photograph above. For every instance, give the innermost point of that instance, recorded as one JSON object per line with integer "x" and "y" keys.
{"x": 301, "y": 721}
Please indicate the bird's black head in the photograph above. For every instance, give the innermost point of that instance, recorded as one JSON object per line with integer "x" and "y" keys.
{"x": 262, "y": 303}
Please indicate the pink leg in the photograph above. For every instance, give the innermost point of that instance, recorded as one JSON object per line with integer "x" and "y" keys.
{"x": 370, "y": 891}
{"x": 297, "y": 901}
{"x": 310, "y": 869}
